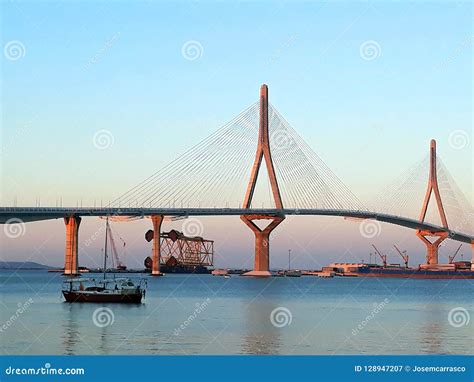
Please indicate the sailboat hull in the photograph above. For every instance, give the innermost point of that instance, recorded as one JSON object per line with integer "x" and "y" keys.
{"x": 80, "y": 296}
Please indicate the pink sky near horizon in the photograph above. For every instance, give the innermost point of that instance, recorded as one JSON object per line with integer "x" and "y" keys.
{"x": 314, "y": 241}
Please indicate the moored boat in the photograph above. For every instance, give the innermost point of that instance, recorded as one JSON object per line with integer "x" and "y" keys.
{"x": 292, "y": 273}
{"x": 220, "y": 272}
{"x": 120, "y": 290}
{"x": 326, "y": 275}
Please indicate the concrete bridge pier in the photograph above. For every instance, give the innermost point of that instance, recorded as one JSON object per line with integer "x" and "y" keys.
{"x": 71, "y": 261}
{"x": 432, "y": 246}
{"x": 157, "y": 220}
{"x": 262, "y": 243}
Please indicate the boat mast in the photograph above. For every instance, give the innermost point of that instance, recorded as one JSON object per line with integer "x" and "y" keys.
{"x": 105, "y": 246}
{"x": 289, "y": 260}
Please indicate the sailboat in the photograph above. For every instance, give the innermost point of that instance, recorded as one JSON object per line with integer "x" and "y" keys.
{"x": 117, "y": 290}
{"x": 291, "y": 272}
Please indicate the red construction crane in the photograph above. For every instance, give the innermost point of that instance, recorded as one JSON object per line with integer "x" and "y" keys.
{"x": 383, "y": 257}
{"x": 119, "y": 264}
{"x": 451, "y": 258}
{"x": 403, "y": 255}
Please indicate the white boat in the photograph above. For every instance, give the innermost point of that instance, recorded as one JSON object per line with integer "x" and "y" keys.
{"x": 220, "y": 272}
{"x": 292, "y": 273}
{"x": 326, "y": 274}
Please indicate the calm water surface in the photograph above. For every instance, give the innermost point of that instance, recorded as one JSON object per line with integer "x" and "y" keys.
{"x": 202, "y": 314}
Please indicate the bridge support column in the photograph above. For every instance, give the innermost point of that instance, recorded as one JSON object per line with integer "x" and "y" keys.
{"x": 156, "y": 220}
{"x": 432, "y": 246}
{"x": 262, "y": 243}
{"x": 71, "y": 262}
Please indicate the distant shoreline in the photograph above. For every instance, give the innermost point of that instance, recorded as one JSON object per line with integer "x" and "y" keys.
{"x": 23, "y": 266}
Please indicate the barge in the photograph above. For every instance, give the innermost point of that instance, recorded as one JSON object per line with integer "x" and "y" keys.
{"x": 457, "y": 270}
{"x": 414, "y": 273}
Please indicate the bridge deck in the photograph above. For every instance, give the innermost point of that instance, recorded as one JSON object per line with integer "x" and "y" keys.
{"x": 29, "y": 214}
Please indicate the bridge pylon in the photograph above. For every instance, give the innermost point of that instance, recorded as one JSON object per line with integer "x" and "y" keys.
{"x": 71, "y": 261}
{"x": 262, "y": 236}
{"x": 432, "y": 246}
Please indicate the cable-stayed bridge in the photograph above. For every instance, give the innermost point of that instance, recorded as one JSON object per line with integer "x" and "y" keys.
{"x": 258, "y": 167}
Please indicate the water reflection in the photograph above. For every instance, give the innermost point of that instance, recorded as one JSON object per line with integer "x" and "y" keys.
{"x": 261, "y": 336}
{"x": 432, "y": 332}
{"x": 103, "y": 340}
{"x": 79, "y": 332}
{"x": 70, "y": 329}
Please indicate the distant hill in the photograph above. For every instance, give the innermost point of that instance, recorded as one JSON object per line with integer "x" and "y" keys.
{"x": 22, "y": 265}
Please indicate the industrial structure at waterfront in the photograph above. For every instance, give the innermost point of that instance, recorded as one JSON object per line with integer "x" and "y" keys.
{"x": 182, "y": 254}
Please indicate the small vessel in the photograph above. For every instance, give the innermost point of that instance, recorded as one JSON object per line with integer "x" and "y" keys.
{"x": 325, "y": 275}
{"x": 291, "y": 272}
{"x": 120, "y": 290}
{"x": 220, "y": 272}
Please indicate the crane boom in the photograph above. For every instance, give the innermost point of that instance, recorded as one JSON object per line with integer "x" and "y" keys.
{"x": 403, "y": 255}
{"x": 119, "y": 264}
{"x": 451, "y": 258}
{"x": 383, "y": 257}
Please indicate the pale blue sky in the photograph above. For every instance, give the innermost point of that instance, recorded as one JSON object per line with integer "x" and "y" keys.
{"x": 119, "y": 66}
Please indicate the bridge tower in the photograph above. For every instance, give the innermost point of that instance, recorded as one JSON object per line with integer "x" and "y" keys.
{"x": 71, "y": 262}
{"x": 262, "y": 236}
{"x": 433, "y": 245}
